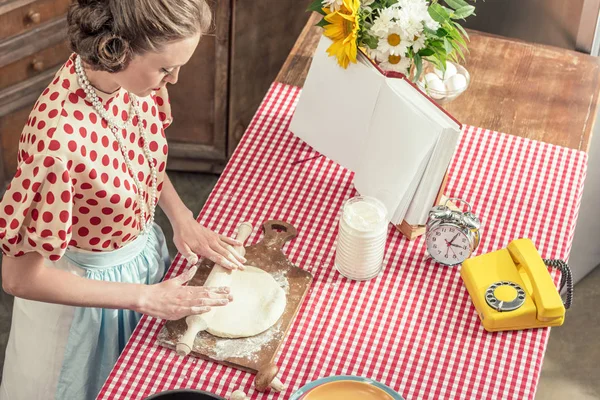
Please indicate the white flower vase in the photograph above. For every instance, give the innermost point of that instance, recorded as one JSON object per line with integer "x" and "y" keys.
{"x": 443, "y": 87}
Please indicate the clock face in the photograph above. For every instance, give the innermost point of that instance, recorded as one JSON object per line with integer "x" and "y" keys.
{"x": 448, "y": 245}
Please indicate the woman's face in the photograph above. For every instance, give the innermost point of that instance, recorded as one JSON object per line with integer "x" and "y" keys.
{"x": 153, "y": 70}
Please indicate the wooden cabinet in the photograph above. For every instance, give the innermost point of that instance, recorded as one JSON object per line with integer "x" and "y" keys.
{"x": 220, "y": 89}
{"x": 217, "y": 94}
{"x": 32, "y": 48}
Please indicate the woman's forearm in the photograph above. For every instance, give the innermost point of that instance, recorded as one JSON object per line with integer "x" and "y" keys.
{"x": 28, "y": 278}
{"x": 171, "y": 203}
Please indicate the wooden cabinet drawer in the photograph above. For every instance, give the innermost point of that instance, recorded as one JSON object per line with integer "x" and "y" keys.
{"x": 18, "y": 16}
{"x": 25, "y": 68}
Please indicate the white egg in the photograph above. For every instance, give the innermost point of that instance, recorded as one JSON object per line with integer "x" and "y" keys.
{"x": 456, "y": 83}
{"x": 450, "y": 71}
{"x": 436, "y": 89}
{"x": 431, "y": 76}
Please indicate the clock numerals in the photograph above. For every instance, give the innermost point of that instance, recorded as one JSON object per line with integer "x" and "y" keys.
{"x": 452, "y": 235}
{"x": 448, "y": 245}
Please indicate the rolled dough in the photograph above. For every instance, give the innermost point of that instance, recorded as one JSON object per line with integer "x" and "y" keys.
{"x": 258, "y": 302}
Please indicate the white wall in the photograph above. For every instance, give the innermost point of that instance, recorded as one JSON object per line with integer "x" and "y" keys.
{"x": 585, "y": 253}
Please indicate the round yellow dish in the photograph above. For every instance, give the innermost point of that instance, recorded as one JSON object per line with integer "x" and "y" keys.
{"x": 346, "y": 390}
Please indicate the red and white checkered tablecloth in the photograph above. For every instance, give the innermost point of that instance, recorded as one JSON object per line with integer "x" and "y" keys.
{"x": 412, "y": 328}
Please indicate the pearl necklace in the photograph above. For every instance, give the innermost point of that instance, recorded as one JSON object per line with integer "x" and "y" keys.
{"x": 115, "y": 127}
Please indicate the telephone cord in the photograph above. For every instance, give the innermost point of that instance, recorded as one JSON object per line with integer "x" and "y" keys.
{"x": 565, "y": 279}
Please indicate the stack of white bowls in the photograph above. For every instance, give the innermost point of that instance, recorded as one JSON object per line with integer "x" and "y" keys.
{"x": 362, "y": 236}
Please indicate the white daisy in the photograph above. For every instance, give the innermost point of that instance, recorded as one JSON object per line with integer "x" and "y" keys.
{"x": 417, "y": 10}
{"x": 396, "y": 63}
{"x": 411, "y": 20}
{"x": 419, "y": 43}
{"x": 394, "y": 41}
{"x": 386, "y": 17}
{"x": 334, "y": 5}
{"x": 399, "y": 28}
{"x": 376, "y": 55}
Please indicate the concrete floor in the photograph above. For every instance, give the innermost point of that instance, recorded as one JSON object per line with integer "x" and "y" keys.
{"x": 571, "y": 367}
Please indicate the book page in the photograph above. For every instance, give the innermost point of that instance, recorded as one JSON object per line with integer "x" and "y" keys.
{"x": 335, "y": 107}
{"x": 441, "y": 156}
{"x": 427, "y": 191}
{"x": 419, "y": 100}
{"x": 398, "y": 147}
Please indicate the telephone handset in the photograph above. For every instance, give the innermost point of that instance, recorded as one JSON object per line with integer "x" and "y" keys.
{"x": 512, "y": 289}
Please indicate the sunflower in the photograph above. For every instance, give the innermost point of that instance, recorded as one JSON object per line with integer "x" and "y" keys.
{"x": 343, "y": 30}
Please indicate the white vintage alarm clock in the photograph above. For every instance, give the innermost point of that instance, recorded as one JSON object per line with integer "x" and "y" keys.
{"x": 452, "y": 235}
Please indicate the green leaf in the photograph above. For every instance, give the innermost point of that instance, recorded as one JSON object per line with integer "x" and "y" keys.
{"x": 316, "y": 5}
{"x": 441, "y": 57}
{"x": 425, "y": 52}
{"x": 438, "y": 13}
{"x": 430, "y": 32}
{"x": 437, "y": 45}
{"x": 456, "y": 4}
{"x": 441, "y": 32}
{"x": 455, "y": 34}
{"x": 448, "y": 10}
{"x": 458, "y": 50}
{"x": 461, "y": 29}
{"x": 419, "y": 65}
{"x": 463, "y": 12}
{"x": 448, "y": 46}
{"x": 322, "y": 23}
{"x": 371, "y": 41}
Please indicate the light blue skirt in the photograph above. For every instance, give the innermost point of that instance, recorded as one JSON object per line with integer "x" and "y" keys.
{"x": 70, "y": 351}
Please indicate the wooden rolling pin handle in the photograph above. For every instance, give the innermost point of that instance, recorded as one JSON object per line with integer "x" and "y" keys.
{"x": 239, "y": 395}
{"x": 243, "y": 233}
{"x": 195, "y": 324}
{"x": 267, "y": 377}
{"x": 277, "y": 385}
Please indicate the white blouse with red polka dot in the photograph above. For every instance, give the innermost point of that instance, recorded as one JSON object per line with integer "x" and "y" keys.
{"x": 72, "y": 186}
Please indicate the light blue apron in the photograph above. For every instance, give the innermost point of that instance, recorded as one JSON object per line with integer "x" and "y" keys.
{"x": 97, "y": 335}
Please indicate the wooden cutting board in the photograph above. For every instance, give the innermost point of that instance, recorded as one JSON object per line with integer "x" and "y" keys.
{"x": 251, "y": 354}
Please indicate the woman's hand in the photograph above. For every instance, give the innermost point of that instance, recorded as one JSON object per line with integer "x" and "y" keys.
{"x": 172, "y": 300}
{"x": 193, "y": 240}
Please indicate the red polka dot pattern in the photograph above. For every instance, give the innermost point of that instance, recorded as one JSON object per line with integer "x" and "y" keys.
{"x": 72, "y": 187}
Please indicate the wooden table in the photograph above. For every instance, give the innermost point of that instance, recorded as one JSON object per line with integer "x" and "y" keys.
{"x": 530, "y": 90}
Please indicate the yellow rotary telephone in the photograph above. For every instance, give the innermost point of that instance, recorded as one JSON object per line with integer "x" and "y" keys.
{"x": 512, "y": 289}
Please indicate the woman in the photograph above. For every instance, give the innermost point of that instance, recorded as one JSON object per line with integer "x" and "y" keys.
{"x": 82, "y": 253}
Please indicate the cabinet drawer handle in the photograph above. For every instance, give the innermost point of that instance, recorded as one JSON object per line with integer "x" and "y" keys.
{"x": 34, "y": 17}
{"x": 37, "y": 65}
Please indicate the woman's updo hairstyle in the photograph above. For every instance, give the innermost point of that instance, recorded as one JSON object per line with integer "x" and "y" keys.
{"x": 108, "y": 33}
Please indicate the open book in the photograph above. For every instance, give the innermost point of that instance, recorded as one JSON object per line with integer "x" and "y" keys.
{"x": 395, "y": 139}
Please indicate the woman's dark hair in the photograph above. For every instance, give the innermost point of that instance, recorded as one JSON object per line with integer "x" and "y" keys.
{"x": 108, "y": 33}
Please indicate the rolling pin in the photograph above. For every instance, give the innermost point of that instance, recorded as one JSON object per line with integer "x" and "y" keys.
{"x": 219, "y": 276}
{"x": 267, "y": 378}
